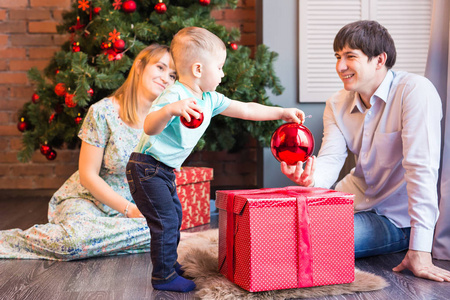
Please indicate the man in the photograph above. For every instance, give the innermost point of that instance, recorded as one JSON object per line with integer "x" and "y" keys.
{"x": 390, "y": 121}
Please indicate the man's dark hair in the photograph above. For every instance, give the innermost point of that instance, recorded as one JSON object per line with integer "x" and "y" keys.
{"x": 368, "y": 36}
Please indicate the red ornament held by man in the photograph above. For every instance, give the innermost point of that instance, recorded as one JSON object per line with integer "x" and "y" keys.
{"x": 292, "y": 143}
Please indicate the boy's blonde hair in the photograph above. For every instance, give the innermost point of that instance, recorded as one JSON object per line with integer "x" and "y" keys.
{"x": 127, "y": 93}
{"x": 191, "y": 44}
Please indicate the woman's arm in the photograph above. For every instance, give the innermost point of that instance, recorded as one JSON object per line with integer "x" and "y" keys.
{"x": 90, "y": 161}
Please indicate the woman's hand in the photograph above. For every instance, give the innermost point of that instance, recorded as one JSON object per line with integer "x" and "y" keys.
{"x": 296, "y": 173}
{"x": 134, "y": 212}
{"x": 91, "y": 158}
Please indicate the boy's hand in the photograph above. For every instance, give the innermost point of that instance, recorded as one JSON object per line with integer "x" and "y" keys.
{"x": 186, "y": 108}
{"x": 293, "y": 115}
{"x": 156, "y": 120}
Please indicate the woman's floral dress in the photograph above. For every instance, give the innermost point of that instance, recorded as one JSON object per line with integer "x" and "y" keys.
{"x": 79, "y": 225}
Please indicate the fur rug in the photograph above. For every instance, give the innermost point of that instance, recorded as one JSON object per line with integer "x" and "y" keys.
{"x": 198, "y": 255}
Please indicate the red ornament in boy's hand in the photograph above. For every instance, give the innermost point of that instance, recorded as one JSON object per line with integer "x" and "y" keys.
{"x": 194, "y": 123}
{"x": 292, "y": 143}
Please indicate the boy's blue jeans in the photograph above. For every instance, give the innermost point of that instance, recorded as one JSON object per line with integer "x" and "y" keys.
{"x": 152, "y": 185}
{"x": 376, "y": 235}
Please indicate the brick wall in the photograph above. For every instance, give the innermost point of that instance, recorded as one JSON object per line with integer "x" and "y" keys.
{"x": 28, "y": 39}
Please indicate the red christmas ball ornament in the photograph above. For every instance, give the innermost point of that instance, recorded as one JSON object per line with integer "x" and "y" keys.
{"x": 22, "y": 125}
{"x": 111, "y": 54}
{"x": 51, "y": 155}
{"x": 78, "y": 119}
{"x": 119, "y": 45}
{"x": 97, "y": 10}
{"x": 204, "y": 2}
{"x": 129, "y": 6}
{"x": 234, "y": 46}
{"x": 194, "y": 123}
{"x": 69, "y": 100}
{"x": 160, "y": 8}
{"x": 45, "y": 149}
{"x": 35, "y": 98}
{"x": 60, "y": 89}
{"x": 90, "y": 92}
{"x": 292, "y": 143}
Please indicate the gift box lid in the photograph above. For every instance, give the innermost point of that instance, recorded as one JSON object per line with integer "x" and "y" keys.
{"x": 280, "y": 196}
{"x": 193, "y": 174}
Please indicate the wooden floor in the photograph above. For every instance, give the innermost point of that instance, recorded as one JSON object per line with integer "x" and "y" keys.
{"x": 128, "y": 276}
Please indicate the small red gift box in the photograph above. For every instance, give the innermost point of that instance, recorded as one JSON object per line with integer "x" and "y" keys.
{"x": 284, "y": 238}
{"x": 193, "y": 188}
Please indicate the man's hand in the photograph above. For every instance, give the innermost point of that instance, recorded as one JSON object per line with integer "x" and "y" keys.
{"x": 421, "y": 265}
{"x": 297, "y": 174}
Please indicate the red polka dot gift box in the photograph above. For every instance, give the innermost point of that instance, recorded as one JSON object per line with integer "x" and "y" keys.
{"x": 193, "y": 188}
{"x": 293, "y": 237}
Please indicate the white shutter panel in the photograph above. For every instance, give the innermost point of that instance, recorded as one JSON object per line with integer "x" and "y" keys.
{"x": 408, "y": 21}
{"x": 319, "y": 21}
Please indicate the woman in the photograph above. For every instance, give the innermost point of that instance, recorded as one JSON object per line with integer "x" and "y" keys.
{"x": 93, "y": 213}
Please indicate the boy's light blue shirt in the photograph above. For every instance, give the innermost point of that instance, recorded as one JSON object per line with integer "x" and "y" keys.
{"x": 174, "y": 144}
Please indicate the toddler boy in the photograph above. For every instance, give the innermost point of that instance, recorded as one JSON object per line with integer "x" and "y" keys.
{"x": 199, "y": 56}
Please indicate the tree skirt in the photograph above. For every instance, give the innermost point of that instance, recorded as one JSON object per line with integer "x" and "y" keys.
{"x": 198, "y": 256}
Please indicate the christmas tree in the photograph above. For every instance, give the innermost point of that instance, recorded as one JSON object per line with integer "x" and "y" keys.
{"x": 105, "y": 37}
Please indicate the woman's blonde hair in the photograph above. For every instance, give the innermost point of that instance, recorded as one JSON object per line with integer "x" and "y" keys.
{"x": 127, "y": 93}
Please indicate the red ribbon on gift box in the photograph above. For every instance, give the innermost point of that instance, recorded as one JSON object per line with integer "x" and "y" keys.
{"x": 304, "y": 259}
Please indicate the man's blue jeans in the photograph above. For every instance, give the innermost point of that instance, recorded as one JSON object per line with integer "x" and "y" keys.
{"x": 376, "y": 235}
{"x": 152, "y": 185}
